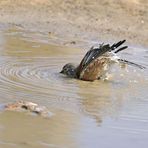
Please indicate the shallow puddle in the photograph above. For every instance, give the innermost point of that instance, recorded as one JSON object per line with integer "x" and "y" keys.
{"x": 85, "y": 114}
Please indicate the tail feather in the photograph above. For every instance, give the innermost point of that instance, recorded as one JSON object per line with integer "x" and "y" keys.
{"x": 131, "y": 63}
{"x": 116, "y": 45}
{"x": 120, "y": 49}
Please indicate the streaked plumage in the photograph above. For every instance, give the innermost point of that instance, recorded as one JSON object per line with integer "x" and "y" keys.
{"x": 96, "y": 62}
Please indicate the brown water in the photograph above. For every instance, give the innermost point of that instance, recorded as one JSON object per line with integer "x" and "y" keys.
{"x": 96, "y": 114}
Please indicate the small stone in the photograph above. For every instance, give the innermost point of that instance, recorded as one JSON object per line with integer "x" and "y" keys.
{"x": 142, "y": 21}
{"x": 28, "y": 106}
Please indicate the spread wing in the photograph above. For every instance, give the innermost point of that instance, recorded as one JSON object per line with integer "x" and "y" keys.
{"x": 91, "y": 63}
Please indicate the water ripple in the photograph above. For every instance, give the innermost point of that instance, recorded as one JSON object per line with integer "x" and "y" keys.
{"x": 30, "y": 68}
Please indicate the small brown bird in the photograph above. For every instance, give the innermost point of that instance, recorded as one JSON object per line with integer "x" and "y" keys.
{"x": 97, "y": 62}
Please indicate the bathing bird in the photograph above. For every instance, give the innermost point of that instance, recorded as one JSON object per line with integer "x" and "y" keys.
{"x": 97, "y": 62}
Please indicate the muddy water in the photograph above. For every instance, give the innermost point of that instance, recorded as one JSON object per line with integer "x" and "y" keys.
{"x": 100, "y": 114}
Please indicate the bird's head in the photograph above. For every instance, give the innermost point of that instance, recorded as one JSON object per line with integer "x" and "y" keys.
{"x": 69, "y": 70}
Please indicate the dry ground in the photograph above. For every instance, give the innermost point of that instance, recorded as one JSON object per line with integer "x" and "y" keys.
{"x": 88, "y": 20}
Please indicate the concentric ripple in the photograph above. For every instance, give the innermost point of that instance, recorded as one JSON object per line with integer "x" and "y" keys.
{"x": 37, "y": 76}
{"x": 29, "y": 70}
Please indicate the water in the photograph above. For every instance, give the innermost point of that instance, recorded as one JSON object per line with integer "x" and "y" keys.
{"x": 85, "y": 114}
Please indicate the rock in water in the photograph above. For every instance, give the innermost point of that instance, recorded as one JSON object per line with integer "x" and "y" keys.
{"x": 31, "y": 107}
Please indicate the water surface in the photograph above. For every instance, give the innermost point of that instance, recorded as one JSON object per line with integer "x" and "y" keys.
{"x": 86, "y": 114}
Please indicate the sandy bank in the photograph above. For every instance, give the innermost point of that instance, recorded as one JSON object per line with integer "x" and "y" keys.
{"x": 94, "y": 20}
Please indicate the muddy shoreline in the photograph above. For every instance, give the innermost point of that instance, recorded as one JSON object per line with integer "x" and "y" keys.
{"x": 72, "y": 21}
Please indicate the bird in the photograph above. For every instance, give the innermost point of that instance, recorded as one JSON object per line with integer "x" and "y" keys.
{"x": 97, "y": 61}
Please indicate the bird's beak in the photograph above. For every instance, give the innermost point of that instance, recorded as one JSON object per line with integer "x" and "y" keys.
{"x": 61, "y": 71}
